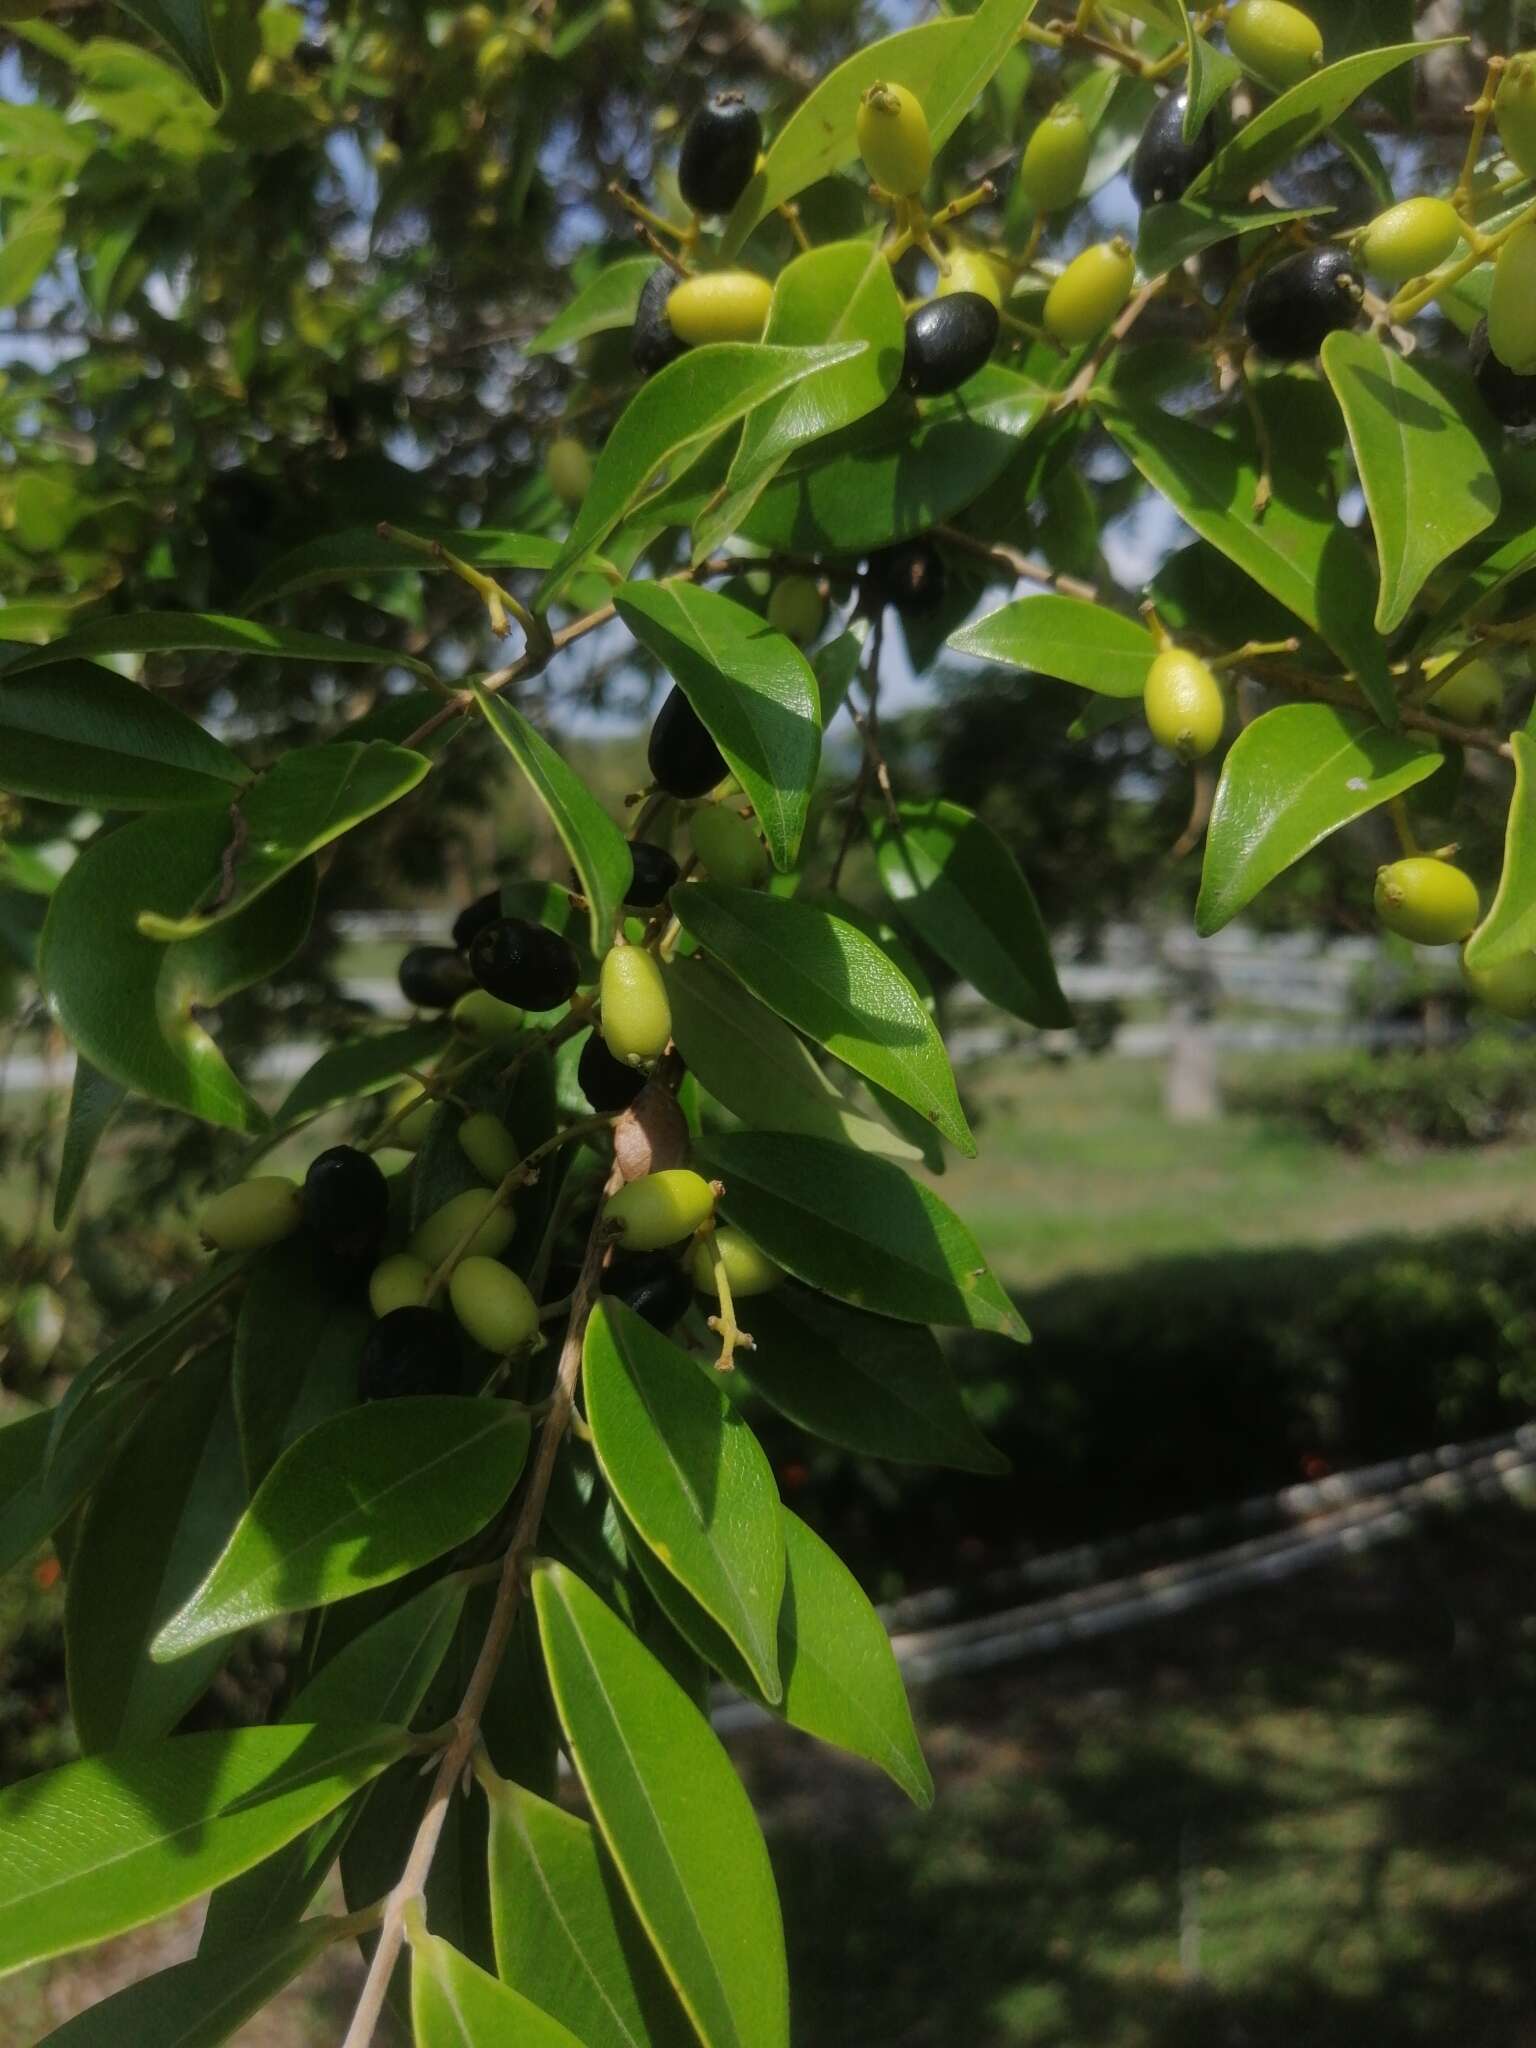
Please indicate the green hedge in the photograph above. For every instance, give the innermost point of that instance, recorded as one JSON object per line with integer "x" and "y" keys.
{"x": 1470, "y": 1094}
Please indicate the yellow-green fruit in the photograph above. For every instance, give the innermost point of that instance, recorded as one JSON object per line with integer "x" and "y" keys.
{"x": 1426, "y": 900}
{"x": 723, "y": 305}
{"x": 892, "y": 133}
{"x": 1515, "y": 113}
{"x": 400, "y": 1281}
{"x": 661, "y": 1208}
{"x": 637, "y": 1018}
{"x": 496, "y": 60}
{"x": 1512, "y": 302}
{"x": 39, "y": 1322}
{"x": 1090, "y": 292}
{"x": 474, "y": 1211}
{"x": 251, "y": 1214}
{"x": 729, "y": 845}
{"x": 797, "y": 608}
{"x": 1277, "y": 42}
{"x": 1409, "y": 239}
{"x": 1184, "y": 705}
{"x": 1509, "y": 988}
{"x": 568, "y": 470}
{"x": 970, "y": 271}
{"x": 471, "y": 25}
{"x": 488, "y": 1145}
{"x": 493, "y": 1305}
{"x": 412, "y": 1128}
{"x": 1055, "y": 159}
{"x": 486, "y": 1018}
{"x": 748, "y": 1270}
{"x": 1473, "y": 696}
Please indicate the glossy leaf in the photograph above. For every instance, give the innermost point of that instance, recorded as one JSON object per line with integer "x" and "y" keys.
{"x": 872, "y": 1385}
{"x": 610, "y": 300}
{"x": 184, "y": 28}
{"x": 359, "y": 1067}
{"x": 691, "y": 1477}
{"x": 1065, "y": 637}
{"x": 200, "y": 633}
{"x": 131, "y": 1005}
{"x": 598, "y": 850}
{"x": 362, "y": 1499}
{"x": 1510, "y": 924}
{"x": 297, "y": 1345}
{"x": 456, "y": 2004}
{"x": 826, "y": 978}
{"x": 1429, "y": 484}
{"x": 80, "y": 735}
{"x": 1296, "y": 774}
{"x": 673, "y": 1815}
{"x": 362, "y": 551}
{"x": 836, "y": 664}
{"x": 93, "y": 1103}
{"x": 1211, "y": 74}
{"x": 92, "y": 1849}
{"x": 38, "y": 1494}
{"x": 1170, "y": 234}
{"x": 857, "y": 1228}
{"x": 751, "y": 686}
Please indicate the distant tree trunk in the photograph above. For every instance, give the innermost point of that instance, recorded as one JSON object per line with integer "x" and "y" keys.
{"x": 1191, "y": 1087}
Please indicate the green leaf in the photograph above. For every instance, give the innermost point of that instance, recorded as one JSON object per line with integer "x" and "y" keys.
{"x": 750, "y": 685}
{"x": 30, "y": 247}
{"x": 364, "y": 551}
{"x": 134, "y": 1007}
{"x": 1510, "y": 925}
{"x": 665, "y": 427}
{"x": 566, "y": 1935}
{"x": 961, "y": 890}
{"x": 362, "y": 1499}
{"x": 836, "y": 664}
{"x": 183, "y": 26}
{"x": 359, "y": 1067}
{"x": 94, "y": 1848}
{"x": 297, "y": 1345}
{"x": 753, "y": 1063}
{"x": 200, "y": 633}
{"x": 1212, "y": 73}
{"x": 140, "y": 1551}
{"x": 1169, "y": 235}
{"x": 36, "y": 1495}
{"x": 823, "y": 976}
{"x": 200, "y": 2003}
{"x": 691, "y": 1477}
{"x": 1428, "y": 482}
{"x": 78, "y": 735}
{"x": 610, "y": 300}
{"x": 857, "y": 1228}
{"x": 456, "y": 2004}
{"x": 878, "y": 1387}
{"x": 1297, "y": 551}
{"x": 306, "y": 799}
{"x": 1280, "y": 131}
{"x": 1296, "y": 774}
{"x": 93, "y": 1103}
{"x": 1480, "y": 590}
{"x": 598, "y": 850}
{"x": 966, "y": 64}
{"x": 674, "y": 1816}
{"x": 1065, "y": 637}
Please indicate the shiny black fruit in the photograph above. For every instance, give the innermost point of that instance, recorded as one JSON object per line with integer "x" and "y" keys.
{"x": 684, "y": 760}
{"x": 652, "y": 343}
{"x": 1510, "y": 397}
{"x": 653, "y": 1284}
{"x": 606, "y": 1082}
{"x": 346, "y": 1202}
{"x": 526, "y": 964}
{"x": 410, "y": 1351}
{"x": 1165, "y": 165}
{"x": 474, "y": 917}
{"x": 434, "y": 977}
{"x": 719, "y": 153}
{"x": 1300, "y": 301}
{"x": 948, "y": 340}
{"x": 909, "y": 576}
{"x": 655, "y": 872}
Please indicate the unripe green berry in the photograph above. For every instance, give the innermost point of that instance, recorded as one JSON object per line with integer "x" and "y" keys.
{"x": 411, "y": 1131}
{"x": 486, "y": 1019}
{"x": 661, "y": 1208}
{"x": 1509, "y": 988}
{"x": 1426, "y": 900}
{"x": 568, "y": 470}
{"x": 252, "y": 1214}
{"x": 729, "y": 845}
{"x": 400, "y": 1281}
{"x": 797, "y": 608}
{"x": 971, "y": 271}
{"x": 1409, "y": 239}
{"x": 488, "y": 1145}
{"x": 748, "y": 1270}
{"x": 1473, "y": 696}
{"x": 637, "y": 1018}
{"x": 721, "y": 305}
{"x": 1275, "y": 41}
{"x": 1090, "y": 292}
{"x": 436, "y": 1238}
{"x": 1184, "y": 705}
{"x": 1512, "y": 302}
{"x": 493, "y": 1305}
{"x": 1515, "y": 112}
{"x": 1055, "y": 159}
{"x": 39, "y": 1323}
{"x": 893, "y": 139}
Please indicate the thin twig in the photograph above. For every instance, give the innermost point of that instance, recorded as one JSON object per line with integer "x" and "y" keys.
{"x": 1019, "y": 565}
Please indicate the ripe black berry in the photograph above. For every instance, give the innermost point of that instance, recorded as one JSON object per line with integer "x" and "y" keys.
{"x": 719, "y": 153}
{"x": 1165, "y": 165}
{"x": 474, "y": 917}
{"x": 909, "y": 576}
{"x": 523, "y": 963}
{"x": 409, "y": 1351}
{"x": 434, "y": 977}
{"x": 652, "y": 343}
{"x": 346, "y": 1202}
{"x": 655, "y": 872}
{"x": 948, "y": 340}
{"x": 684, "y": 760}
{"x": 606, "y": 1082}
{"x": 1508, "y": 395}
{"x": 1300, "y": 301}
{"x": 653, "y": 1284}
